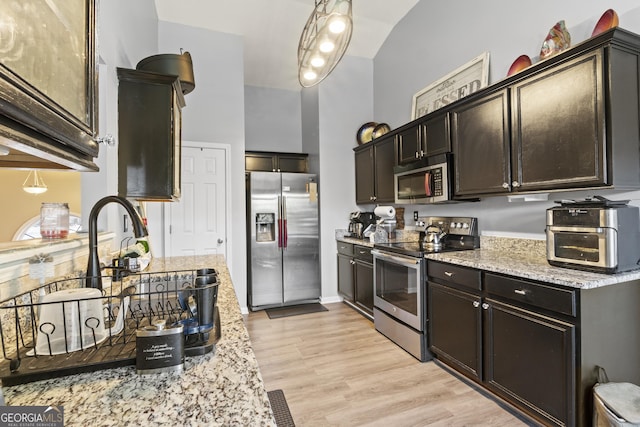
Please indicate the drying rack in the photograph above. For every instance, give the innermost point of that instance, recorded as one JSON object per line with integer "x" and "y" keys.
{"x": 152, "y": 297}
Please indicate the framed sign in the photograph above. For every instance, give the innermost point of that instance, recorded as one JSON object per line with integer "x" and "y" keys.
{"x": 464, "y": 81}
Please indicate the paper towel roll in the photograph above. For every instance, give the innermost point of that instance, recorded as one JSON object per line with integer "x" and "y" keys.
{"x": 385, "y": 212}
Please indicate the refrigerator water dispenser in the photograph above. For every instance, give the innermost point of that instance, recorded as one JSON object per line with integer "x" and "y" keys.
{"x": 265, "y": 231}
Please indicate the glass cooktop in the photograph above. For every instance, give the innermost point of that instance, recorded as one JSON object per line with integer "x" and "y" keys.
{"x": 419, "y": 249}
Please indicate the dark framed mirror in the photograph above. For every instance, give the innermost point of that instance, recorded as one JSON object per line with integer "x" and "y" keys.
{"x": 48, "y": 83}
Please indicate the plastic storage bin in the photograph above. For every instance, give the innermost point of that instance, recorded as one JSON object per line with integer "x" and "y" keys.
{"x": 616, "y": 404}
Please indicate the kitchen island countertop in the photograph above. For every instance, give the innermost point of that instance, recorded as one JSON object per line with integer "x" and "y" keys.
{"x": 224, "y": 388}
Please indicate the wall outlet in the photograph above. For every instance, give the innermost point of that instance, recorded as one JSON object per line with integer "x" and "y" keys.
{"x": 415, "y": 215}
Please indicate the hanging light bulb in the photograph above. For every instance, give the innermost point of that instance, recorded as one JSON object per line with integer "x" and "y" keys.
{"x": 317, "y": 61}
{"x": 337, "y": 24}
{"x": 34, "y": 184}
{"x": 327, "y": 45}
{"x": 310, "y": 75}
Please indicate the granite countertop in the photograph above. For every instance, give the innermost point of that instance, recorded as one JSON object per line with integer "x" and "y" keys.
{"x": 527, "y": 259}
{"x": 356, "y": 241}
{"x": 224, "y": 388}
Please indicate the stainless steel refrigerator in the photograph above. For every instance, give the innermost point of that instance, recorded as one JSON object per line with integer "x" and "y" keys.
{"x": 283, "y": 242}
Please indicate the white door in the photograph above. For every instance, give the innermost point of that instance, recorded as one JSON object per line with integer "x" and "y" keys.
{"x": 196, "y": 224}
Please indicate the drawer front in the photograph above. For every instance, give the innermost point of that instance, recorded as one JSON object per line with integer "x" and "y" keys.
{"x": 463, "y": 276}
{"x": 345, "y": 248}
{"x": 363, "y": 253}
{"x": 543, "y": 296}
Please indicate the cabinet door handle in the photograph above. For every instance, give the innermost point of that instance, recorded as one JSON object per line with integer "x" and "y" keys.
{"x": 476, "y": 304}
{"x": 505, "y": 185}
{"x": 515, "y": 184}
{"x": 520, "y": 292}
{"x": 421, "y": 154}
{"x": 448, "y": 274}
{"x": 417, "y": 155}
{"x": 485, "y": 306}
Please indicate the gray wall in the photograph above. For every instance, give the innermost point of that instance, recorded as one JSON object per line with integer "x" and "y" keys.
{"x": 215, "y": 114}
{"x": 272, "y": 119}
{"x": 345, "y": 101}
{"x": 127, "y": 32}
{"x": 435, "y": 38}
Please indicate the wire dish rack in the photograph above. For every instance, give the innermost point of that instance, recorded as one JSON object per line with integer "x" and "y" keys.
{"x": 34, "y": 348}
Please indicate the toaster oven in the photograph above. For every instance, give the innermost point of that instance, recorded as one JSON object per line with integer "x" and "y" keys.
{"x": 600, "y": 238}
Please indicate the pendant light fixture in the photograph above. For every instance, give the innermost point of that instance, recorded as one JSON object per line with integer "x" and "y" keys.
{"x": 324, "y": 40}
{"x": 34, "y": 184}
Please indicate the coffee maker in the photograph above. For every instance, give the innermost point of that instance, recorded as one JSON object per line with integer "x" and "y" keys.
{"x": 359, "y": 222}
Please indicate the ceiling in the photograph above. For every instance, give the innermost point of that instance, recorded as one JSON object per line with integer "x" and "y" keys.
{"x": 272, "y": 28}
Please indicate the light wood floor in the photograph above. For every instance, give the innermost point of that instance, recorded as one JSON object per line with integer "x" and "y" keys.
{"x": 336, "y": 370}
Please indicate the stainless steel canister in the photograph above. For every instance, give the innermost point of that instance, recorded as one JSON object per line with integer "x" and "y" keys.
{"x": 159, "y": 348}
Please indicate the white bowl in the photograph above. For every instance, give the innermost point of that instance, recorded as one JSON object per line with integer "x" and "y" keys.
{"x": 70, "y": 320}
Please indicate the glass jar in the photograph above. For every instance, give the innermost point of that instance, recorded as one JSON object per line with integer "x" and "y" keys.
{"x": 54, "y": 220}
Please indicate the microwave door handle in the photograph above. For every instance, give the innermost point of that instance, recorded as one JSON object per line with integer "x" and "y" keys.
{"x": 427, "y": 184}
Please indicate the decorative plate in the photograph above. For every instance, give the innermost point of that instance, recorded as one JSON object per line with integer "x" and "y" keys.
{"x": 608, "y": 20}
{"x": 557, "y": 40}
{"x": 522, "y": 62}
{"x": 365, "y": 133}
{"x": 380, "y": 130}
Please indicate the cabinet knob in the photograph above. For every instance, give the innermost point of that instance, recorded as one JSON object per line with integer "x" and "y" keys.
{"x": 220, "y": 241}
{"x": 485, "y": 306}
{"x": 352, "y": 262}
{"x": 515, "y": 184}
{"x": 505, "y": 185}
{"x": 476, "y": 304}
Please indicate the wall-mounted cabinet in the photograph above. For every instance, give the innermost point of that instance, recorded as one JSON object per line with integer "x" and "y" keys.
{"x": 426, "y": 137}
{"x": 567, "y": 123}
{"x": 266, "y": 161}
{"x": 374, "y": 163}
{"x": 149, "y": 119}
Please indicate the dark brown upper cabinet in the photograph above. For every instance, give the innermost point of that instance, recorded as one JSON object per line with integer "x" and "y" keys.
{"x": 423, "y": 138}
{"x": 481, "y": 143}
{"x": 374, "y": 164}
{"x": 570, "y": 122}
{"x": 48, "y": 108}
{"x": 149, "y": 144}
{"x": 266, "y": 161}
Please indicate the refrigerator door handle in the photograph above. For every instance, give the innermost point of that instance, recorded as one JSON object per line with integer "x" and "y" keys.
{"x": 279, "y": 222}
{"x": 284, "y": 222}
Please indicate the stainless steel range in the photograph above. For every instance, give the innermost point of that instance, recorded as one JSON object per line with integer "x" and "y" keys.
{"x": 400, "y": 298}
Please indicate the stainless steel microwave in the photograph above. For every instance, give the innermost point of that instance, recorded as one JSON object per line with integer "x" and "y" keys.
{"x": 426, "y": 181}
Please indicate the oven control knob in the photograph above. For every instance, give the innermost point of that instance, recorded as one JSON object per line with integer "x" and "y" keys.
{"x": 465, "y": 225}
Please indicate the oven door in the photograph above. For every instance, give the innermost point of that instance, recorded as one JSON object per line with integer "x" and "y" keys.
{"x": 398, "y": 284}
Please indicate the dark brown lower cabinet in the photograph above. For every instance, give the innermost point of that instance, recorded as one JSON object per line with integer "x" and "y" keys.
{"x": 455, "y": 323}
{"x": 530, "y": 361}
{"x": 355, "y": 276}
{"x": 363, "y": 285}
{"x": 536, "y": 345}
